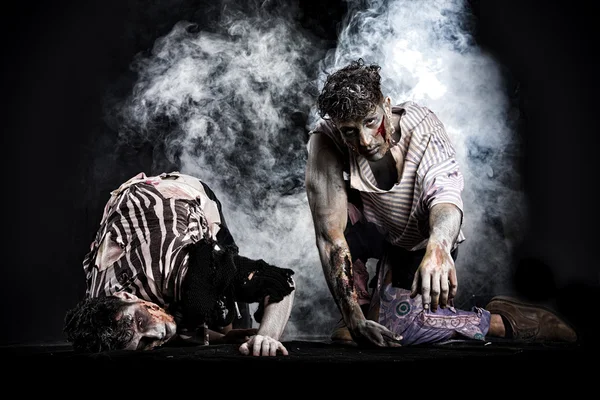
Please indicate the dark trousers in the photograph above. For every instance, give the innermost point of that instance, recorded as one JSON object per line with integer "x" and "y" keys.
{"x": 365, "y": 242}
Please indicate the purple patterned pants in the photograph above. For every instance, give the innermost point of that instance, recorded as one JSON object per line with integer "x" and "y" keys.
{"x": 405, "y": 316}
{"x": 397, "y": 311}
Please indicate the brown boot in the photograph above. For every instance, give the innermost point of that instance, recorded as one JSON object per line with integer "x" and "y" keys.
{"x": 531, "y": 323}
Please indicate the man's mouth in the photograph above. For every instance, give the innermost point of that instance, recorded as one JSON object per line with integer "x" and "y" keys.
{"x": 370, "y": 152}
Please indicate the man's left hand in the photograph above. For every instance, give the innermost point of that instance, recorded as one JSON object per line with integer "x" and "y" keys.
{"x": 259, "y": 345}
{"x": 436, "y": 277}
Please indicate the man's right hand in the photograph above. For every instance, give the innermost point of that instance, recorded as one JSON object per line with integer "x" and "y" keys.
{"x": 369, "y": 333}
{"x": 259, "y": 345}
{"x": 328, "y": 200}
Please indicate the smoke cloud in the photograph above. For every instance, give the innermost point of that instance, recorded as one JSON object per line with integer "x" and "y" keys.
{"x": 232, "y": 106}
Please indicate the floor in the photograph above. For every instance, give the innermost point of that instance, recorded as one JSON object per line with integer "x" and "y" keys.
{"x": 319, "y": 362}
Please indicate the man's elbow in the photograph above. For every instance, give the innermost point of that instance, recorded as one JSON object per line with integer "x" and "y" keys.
{"x": 446, "y": 208}
{"x": 330, "y": 246}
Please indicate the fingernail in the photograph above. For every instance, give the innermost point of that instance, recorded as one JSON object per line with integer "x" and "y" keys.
{"x": 426, "y": 306}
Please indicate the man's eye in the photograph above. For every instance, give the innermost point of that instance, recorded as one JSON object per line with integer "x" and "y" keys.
{"x": 370, "y": 121}
{"x": 349, "y": 133}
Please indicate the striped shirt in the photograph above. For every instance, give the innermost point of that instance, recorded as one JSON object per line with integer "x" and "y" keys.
{"x": 431, "y": 175}
{"x": 147, "y": 223}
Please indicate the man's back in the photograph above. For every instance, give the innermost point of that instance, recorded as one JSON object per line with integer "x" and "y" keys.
{"x": 146, "y": 226}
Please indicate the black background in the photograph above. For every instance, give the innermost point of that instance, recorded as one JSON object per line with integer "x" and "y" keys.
{"x": 59, "y": 58}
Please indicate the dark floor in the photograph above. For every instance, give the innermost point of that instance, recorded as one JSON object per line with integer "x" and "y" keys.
{"x": 319, "y": 362}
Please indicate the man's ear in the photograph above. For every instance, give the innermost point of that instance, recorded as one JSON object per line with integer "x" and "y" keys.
{"x": 125, "y": 296}
{"x": 388, "y": 104}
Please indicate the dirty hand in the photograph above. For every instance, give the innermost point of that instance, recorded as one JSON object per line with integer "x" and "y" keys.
{"x": 436, "y": 278}
{"x": 367, "y": 332}
{"x": 259, "y": 345}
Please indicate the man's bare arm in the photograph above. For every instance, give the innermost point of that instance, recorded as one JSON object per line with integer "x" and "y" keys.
{"x": 436, "y": 275}
{"x": 327, "y": 199}
{"x": 328, "y": 203}
{"x": 445, "y": 220}
{"x": 276, "y": 315}
{"x": 275, "y": 318}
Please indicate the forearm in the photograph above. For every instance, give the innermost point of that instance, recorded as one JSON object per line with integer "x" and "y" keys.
{"x": 445, "y": 220}
{"x": 276, "y": 316}
{"x": 338, "y": 270}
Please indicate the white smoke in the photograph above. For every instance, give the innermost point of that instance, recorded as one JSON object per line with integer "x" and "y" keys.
{"x": 428, "y": 55}
{"x": 229, "y": 106}
{"x": 232, "y": 105}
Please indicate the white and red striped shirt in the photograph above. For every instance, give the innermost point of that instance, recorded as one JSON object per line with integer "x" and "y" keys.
{"x": 431, "y": 175}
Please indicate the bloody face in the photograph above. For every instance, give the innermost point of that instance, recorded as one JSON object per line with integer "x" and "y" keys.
{"x": 368, "y": 135}
{"x": 152, "y": 325}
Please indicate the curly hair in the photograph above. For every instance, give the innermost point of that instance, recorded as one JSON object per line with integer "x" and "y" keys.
{"x": 92, "y": 325}
{"x": 351, "y": 92}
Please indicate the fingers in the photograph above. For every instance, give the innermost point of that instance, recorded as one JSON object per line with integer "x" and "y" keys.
{"x": 283, "y": 350}
{"x": 262, "y": 346}
{"x": 438, "y": 286}
{"x": 375, "y": 334}
{"x": 266, "y": 349}
{"x": 244, "y": 349}
{"x": 435, "y": 290}
{"x": 256, "y": 348}
{"x": 271, "y": 346}
{"x": 425, "y": 288}
{"x": 392, "y": 340}
{"x": 444, "y": 291}
{"x": 453, "y": 283}
{"x": 415, "y": 286}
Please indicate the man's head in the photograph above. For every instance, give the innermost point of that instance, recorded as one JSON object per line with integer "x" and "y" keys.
{"x": 352, "y": 99}
{"x": 118, "y": 322}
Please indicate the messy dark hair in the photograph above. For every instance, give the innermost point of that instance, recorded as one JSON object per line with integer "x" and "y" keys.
{"x": 351, "y": 92}
{"x": 92, "y": 325}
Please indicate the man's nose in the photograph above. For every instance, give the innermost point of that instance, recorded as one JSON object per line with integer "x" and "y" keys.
{"x": 365, "y": 137}
{"x": 157, "y": 332}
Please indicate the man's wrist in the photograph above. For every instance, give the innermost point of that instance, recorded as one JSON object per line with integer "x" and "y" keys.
{"x": 435, "y": 242}
{"x": 354, "y": 317}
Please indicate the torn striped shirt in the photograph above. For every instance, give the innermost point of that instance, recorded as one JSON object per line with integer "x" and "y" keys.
{"x": 140, "y": 246}
{"x": 431, "y": 175}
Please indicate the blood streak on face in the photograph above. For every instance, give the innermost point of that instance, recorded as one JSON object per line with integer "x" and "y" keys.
{"x": 158, "y": 313}
{"x": 381, "y": 129}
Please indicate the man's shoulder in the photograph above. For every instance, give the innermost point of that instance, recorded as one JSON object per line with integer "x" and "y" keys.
{"x": 326, "y": 135}
{"x": 416, "y": 114}
{"x": 413, "y": 109}
{"x": 322, "y": 125}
